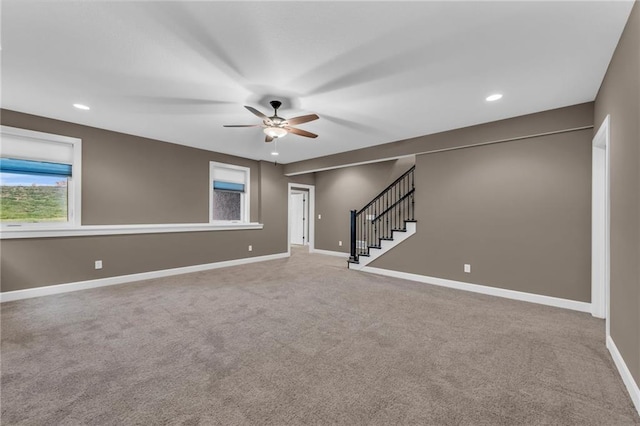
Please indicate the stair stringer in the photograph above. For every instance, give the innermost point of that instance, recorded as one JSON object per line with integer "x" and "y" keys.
{"x": 385, "y": 246}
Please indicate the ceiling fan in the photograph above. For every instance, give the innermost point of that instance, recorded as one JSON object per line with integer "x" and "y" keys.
{"x": 276, "y": 127}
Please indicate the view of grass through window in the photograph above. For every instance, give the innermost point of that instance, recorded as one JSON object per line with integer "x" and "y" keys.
{"x": 33, "y": 198}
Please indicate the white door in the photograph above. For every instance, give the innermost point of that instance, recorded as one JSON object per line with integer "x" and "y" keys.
{"x": 298, "y": 218}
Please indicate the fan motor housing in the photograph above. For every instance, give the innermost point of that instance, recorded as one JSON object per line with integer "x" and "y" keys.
{"x": 275, "y": 104}
{"x": 278, "y": 121}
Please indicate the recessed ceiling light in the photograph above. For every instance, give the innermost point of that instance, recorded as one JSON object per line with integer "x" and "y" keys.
{"x": 82, "y": 107}
{"x": 275, "y": 153}
{"x": 494, "y": 97}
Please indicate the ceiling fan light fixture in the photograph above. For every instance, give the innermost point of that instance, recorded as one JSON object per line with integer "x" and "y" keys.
{"x": 277, "y": 127}
{"x": 275, "y": 132}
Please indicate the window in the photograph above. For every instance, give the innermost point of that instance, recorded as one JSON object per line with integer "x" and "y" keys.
{"x": 39, "y": 179}
{"x": 228, "y": 193}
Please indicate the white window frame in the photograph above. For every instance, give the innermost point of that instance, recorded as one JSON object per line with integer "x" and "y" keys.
{"x": 245, "y": 208}
{"x": 74, "y": 183}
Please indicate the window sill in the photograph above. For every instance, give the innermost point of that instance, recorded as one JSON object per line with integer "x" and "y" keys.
{"x": 90, "y": 230}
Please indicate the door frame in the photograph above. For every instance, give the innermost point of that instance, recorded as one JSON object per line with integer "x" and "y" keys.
{"x": 312, "y": 215}
{"x": 601, "y": 225}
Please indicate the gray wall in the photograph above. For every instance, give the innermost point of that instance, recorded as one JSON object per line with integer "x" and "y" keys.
{"x": 619, "y": 96}
{"x": 518, "y": 212}
{"x": 127, "y": 180}
{"x": 341, "y": 190}
{"x": 306, "y": 179}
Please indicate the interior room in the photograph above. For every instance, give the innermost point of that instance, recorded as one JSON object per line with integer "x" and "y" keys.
{"x": 295, "y": 212}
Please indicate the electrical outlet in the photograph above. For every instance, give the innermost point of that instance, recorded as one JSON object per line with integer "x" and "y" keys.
{"x": 98, "y": 264}
{"x": 467, "y": 268}
{"x": 250, "y": 248}
{"x": 340, "y": 243}
{"x": 319, "y": 216}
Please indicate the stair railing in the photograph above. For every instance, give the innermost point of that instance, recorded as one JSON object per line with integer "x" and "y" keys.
{"x": 387, "y": 212}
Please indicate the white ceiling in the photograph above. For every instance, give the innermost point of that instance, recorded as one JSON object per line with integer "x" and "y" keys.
{"x": 375, "y": 72}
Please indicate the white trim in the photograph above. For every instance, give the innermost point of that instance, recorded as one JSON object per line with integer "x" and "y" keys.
{"x": 312, "y": 214}
{"x": 492, "y": 291}
{"x": 385, "y": 246}
{"x": 88, "y": 230}
{"x": 123, "y": 279}
{"x": 513, "y": 139}
{"x": 75, "y": 194}
{"x": 627, "y": 378}
{"x": 50, "y": 137}
{"x": 330, "y": 253}
{"x": 472, "y": 145}
{"x": 74, "y": 183}
{"x": 600, "y": 224}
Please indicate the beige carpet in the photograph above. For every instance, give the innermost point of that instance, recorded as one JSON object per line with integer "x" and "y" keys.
{"x": 302, "y": 341}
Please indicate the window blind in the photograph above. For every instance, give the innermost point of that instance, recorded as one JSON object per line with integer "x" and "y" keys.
{"x": 14, "y": 146}
{"x": 12, "y": 165}
{"x": 228, "y": 186}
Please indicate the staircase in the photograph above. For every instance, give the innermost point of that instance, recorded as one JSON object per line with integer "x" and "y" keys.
{"x": 384, "y": 222}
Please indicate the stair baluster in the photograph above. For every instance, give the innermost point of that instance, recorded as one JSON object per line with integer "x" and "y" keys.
{"x": 387, "y": 212}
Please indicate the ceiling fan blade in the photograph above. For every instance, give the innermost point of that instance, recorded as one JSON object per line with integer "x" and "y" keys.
{"x": 303, "y": 119}
{"x": 240, "y": 125}
{"x": 268, "y": 138}
{"x": 256, "y": 112}
{"x": 301, "y": 132}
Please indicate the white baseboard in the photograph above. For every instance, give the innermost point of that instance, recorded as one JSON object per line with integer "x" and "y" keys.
{"x": 330, "y": 253}
{"x": 483, "y": 289}
{"x": 123, "y": 279}
{"x": 627, "y": 378}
